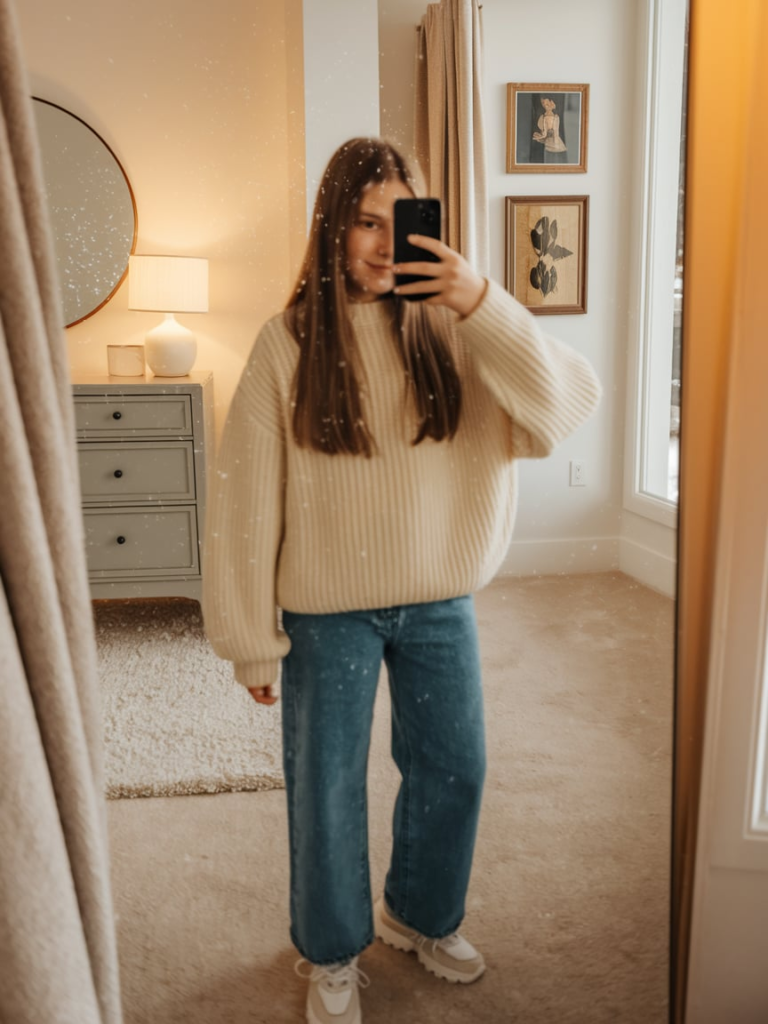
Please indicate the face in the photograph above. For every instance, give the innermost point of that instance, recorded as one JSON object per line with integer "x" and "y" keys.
{"x": 370, "y": 242}
{"x": 549, "y": 105}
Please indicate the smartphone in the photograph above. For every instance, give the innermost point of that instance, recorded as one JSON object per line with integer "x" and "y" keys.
{"x": 415, "y": 217}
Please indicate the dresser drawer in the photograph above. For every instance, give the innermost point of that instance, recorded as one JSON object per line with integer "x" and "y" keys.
{"x": 141, "y": 542}
{"x": 145, "y": 471}
{"x": 133, "y": 415}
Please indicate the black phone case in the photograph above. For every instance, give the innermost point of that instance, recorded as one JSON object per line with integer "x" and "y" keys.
{"x": 415, "y": 217}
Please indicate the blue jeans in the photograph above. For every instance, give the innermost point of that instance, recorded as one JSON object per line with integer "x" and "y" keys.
{"x": 438, "y": 743}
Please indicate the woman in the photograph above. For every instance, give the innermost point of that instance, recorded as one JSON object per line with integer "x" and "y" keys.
{"x": 549, "y": 132}
{"x": 366, "y": 485}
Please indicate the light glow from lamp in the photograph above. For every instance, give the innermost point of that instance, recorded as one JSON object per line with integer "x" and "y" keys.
{"x": 169, "y": 284}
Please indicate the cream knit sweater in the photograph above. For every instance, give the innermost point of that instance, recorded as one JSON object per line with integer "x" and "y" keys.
{"x": 310, "y": 532}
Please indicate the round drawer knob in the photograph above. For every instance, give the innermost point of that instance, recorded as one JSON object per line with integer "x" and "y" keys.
{"x": 117, "y": 415}
{"x": 121, "y": 540}
{"x": 118, "y": 473}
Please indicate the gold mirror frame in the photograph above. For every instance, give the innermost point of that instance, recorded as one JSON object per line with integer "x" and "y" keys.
{"x": 92, "y": 210}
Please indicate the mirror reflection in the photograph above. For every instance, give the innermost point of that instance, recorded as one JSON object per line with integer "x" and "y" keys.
{"x": 92, "y": 210}
{"x": 229, "y": 125}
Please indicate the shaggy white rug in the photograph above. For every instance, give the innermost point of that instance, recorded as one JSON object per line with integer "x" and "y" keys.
{"x": 176, "y": 722}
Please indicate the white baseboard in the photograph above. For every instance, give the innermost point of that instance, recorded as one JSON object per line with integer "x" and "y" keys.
{"x": 650, "y": 567}
{"x": 561, "y": 557}
{"x": 592, "y": 554}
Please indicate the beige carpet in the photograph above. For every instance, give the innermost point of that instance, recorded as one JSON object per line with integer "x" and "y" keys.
{"x": 569, "y": 895}
{"x": 175, "y": 720}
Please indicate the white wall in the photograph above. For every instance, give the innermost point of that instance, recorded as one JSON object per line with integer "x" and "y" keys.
{"x": 559, "y": 528}
{"x": 398, "y": 20}
{"x": 341, "y": 79}
{"x": 591, "y": 42}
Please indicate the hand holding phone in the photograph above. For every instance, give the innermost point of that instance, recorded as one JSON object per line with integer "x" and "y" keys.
{"x": 454, "y": 283}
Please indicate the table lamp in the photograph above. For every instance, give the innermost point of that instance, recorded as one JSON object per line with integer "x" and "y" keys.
{"x": 169, "y": 284}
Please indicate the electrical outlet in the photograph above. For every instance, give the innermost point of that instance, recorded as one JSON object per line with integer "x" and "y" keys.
{"x": 577, "y": 473}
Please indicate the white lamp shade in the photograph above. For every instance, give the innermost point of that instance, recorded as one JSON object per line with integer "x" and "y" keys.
{"x": 168, "y": 284}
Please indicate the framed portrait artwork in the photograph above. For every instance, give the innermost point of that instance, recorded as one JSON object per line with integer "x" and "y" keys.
{"x": 547, "y": 128}
{"x": 546, "y": 252}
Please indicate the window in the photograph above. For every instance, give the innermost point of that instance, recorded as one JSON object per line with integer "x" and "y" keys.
{"x": 654, "y": 398}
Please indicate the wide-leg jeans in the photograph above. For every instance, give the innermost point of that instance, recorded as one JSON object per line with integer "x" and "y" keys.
{"x": 438, "y": 743}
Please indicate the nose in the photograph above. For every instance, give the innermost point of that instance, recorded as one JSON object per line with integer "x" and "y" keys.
{"x": 386, "y": 241}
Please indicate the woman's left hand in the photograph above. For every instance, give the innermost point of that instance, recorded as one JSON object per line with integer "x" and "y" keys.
{"x": 262, "y": 694}
{"x": 453, "y": 283}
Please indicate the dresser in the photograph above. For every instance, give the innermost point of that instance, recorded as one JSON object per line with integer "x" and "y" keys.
{"x": 143, "y": 450}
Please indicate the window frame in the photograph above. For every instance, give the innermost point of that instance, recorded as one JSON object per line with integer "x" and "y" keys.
{"x": 651, "y": 334}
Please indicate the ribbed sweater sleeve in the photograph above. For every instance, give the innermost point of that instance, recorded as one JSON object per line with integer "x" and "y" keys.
{"x": 244, "y": 527}
{"x": 546, "y": 388}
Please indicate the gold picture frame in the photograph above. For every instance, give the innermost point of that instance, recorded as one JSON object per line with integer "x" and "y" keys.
{"x": 547, "y": 128}
{"x": 546, "y": 252}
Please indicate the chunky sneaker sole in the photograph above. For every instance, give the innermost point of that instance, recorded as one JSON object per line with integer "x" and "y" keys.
{"x": 332, "y": 996}
{"x": 451, "y": 958}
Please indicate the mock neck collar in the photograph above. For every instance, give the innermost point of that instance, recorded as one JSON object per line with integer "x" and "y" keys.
{"x": 369, "y": 314}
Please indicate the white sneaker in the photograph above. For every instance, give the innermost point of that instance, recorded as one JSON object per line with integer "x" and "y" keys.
{"x": 332, "y": 997}
{"x": 451, "y": 958}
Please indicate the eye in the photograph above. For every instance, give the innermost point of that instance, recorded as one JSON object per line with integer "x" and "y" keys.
{"x": 368, "y": 223}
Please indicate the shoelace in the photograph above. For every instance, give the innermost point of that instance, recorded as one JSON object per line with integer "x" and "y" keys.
{"x": 335, "y": 976}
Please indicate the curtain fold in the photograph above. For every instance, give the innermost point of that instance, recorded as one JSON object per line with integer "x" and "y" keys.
{"x": 716, "y": 205}
{"x": 57, "y": 940}
{"x": 449, "y": 123}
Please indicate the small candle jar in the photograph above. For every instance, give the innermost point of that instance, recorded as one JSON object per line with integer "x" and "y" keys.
{"x": 125, "y": 360}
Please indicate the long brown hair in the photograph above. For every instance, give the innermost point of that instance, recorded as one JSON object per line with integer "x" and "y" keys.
{"x": 328, "y": 411}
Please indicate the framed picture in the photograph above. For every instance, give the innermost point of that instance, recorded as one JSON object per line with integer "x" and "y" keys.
{"x": 547, "y": 128}
{"x": 546, "y": 252}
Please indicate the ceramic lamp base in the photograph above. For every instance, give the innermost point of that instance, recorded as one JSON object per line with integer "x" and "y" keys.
{"x": 170, "y": 349}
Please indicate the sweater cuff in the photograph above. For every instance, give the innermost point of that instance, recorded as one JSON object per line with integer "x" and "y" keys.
{"x": 255, "y": 674}
{"x": 477, "y": 305}
{"x": 496, "y": 301}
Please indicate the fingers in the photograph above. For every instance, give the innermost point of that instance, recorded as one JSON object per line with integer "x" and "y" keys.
{"x": 262, "y": 694}
{"x": 430, "y": 244}
{"x": 440, "y": 277}
{"x": 431, "y": 287}
{"x": 433, "y": 269}
{"x": 449, "y": 261}
{"x": 449, "y": 282}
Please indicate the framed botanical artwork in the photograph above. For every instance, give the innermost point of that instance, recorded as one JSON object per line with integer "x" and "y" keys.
{"x": 547, "y": 128}
{"x": 546, "y": 252}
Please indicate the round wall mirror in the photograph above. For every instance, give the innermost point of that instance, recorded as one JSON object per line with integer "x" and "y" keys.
{"x": 92, "y": 210}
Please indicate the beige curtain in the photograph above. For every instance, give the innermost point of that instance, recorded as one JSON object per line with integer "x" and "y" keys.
{"x": 57, "y": 944}
{"x": 721, "y": 48}
{"x": 449, "y": 127}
